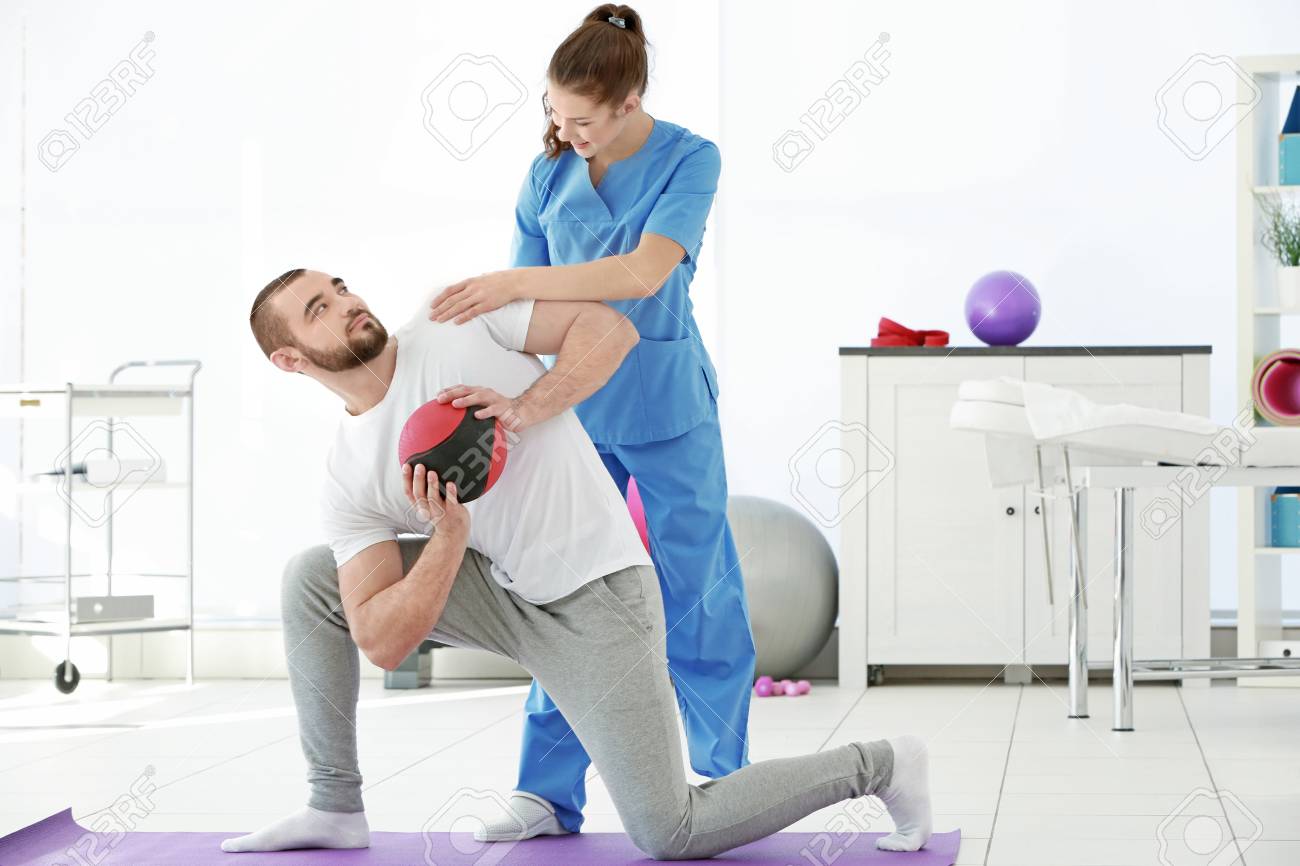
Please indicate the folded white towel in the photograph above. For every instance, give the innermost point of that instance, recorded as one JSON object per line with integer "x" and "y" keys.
{"x": 1056, "y": 412}
{"x": 1016, "y": 416}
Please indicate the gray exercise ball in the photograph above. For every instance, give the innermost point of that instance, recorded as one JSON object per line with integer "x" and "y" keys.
{"x": 791, "y": 579}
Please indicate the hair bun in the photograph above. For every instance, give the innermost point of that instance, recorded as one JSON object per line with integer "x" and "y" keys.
{"x": 616, "y": 15}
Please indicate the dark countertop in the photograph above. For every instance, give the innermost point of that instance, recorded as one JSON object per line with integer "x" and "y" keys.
{"x": 941, "y": 351}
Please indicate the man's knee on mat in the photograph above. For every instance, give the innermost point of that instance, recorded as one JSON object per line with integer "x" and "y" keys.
{"x": 658, "y": 844}
{"x": 660, "y": 833}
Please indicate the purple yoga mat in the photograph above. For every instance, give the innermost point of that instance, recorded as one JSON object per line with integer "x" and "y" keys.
{"x": 60, "y": 841}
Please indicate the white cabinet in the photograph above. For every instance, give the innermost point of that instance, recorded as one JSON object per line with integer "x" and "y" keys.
{"x": 939, "y": 567}
{"x": 939, "y": 541}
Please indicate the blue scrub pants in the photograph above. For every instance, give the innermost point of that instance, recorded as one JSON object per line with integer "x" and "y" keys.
{"x": 710, "y": 648}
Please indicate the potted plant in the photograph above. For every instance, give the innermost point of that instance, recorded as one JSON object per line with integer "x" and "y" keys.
{"x": 1281, "y": 237}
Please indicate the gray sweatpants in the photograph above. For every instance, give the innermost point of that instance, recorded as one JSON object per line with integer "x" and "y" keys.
{"x": 599, "y": 653}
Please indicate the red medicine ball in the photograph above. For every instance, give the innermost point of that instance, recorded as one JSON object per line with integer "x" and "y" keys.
{"x": 467, "y": 451}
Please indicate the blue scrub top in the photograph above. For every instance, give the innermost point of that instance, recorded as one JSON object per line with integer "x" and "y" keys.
{"x": 667, "y": 384}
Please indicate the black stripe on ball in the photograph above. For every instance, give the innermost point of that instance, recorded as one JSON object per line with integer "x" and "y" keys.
{"x": 463, "y": 458}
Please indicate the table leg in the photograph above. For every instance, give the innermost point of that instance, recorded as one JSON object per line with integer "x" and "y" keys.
{"x": 1078, "y": 610}
{"x": 1123, "y": 657}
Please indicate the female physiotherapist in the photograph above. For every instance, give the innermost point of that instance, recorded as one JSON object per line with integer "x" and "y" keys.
{"x": 614, "y": 211}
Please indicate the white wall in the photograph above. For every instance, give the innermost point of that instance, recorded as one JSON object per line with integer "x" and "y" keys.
{"x": 1010, "y": 135}
{"x": 1022, "y": 138}
{"x": 10, "y": 245}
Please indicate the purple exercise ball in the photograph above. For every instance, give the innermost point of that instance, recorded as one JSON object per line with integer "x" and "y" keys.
{"x": 1003, "y": 308}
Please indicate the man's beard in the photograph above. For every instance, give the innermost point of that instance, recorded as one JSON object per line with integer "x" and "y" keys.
{"x": 363, "y": 346}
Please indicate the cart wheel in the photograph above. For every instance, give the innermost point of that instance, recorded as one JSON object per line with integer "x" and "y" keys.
{"x": 66, "y": 687}
{"x": 876, "y": 675}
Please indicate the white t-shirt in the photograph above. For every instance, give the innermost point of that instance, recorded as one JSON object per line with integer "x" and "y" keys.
{"x": 554, "y": 519}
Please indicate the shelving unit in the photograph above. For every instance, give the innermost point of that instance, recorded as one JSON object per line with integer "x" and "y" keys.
{"x": 113, "y": 401}
{"x": 1259, "y": 331}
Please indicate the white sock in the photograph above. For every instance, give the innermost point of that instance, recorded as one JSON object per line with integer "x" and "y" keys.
{"x": 308, "y": 828}
{"x": 528, "y": 815}
{"x": 908, "y": 795}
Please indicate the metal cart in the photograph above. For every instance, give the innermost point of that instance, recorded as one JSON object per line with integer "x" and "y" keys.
{"x": 113, "y": 400}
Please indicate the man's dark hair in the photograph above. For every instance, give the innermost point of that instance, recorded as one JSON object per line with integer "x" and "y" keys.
{"x": 270, "y": 329}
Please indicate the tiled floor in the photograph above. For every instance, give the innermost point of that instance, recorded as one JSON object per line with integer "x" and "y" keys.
{"x": 1211, "y": 772}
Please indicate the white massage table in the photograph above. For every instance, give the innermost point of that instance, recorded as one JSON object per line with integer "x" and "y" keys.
{"x": 1047, "y": 437}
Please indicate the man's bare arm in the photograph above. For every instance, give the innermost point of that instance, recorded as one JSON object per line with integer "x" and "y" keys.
{"x": 388, "y": 614}
{"x": 589, "y": 350}
{"x": 589, "y": 340}
{"x": 637, "y": 274}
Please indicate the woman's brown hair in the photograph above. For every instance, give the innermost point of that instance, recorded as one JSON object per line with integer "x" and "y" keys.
{"x": 601, "y": 61}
